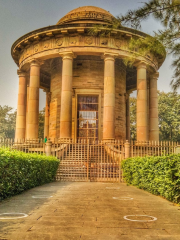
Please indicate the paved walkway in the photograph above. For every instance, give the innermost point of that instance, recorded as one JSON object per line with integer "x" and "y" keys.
{"x": 89, "y": 211}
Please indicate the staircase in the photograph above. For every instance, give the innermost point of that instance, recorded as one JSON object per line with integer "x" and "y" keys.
{"x": 82, "y": 162}
{"x": 74, "y": 164}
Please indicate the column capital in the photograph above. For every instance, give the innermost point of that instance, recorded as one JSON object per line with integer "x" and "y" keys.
{"x": 155, "y": 76}
{"x": 36, "y": 62}
{"x": 21, "y": 73}
{"x": 109, "y": 56}
{"x": 140, "y": 64}
{"x": 67, "y": 55}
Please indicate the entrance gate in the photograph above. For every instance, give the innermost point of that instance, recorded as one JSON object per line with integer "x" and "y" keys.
{"x": 89, "y": 162}
{"x": 87, "y": 118}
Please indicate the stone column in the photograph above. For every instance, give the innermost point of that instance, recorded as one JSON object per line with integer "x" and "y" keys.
{"x": 141, "y": 103}
{"x": 46, "y": 118}
{"x": 153, "y": 109}
{"x": 66, "y": 96}
{"x": 109, "y": 97}
{"x": 127, "y": 117}
{"x": 21, "y": 107}
{"x": 148, "y": 109}
{"x": 33, "y": 103}
{"x": 27, "y": 100}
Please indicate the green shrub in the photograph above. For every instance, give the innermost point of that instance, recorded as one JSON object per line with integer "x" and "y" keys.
{"x": 157, "y": 175}
{"x": 20, "y": 171}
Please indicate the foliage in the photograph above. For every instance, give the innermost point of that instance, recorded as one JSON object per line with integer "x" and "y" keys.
{"x": 41, "y": 123}
{"x": 169, "y": 116}
{"x": 133, "y": 126}
{"x": 157, "y": 175}
{"x": 148, "y": 46}
{"x": 167, "y": 12}
{"x": 7, "y": 122}
{"x": 20, "y": 171}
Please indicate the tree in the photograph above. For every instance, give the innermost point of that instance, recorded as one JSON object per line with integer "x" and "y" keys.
{"x": 169, "y": 116}
{"x": 7, "y": 122}
{"x": 133, "y": 126}
{"x": 168, "y": 13}
{"x": 41, "y": 123}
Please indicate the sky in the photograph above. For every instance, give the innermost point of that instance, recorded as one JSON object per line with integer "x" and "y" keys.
{"x": 18, "y": 17}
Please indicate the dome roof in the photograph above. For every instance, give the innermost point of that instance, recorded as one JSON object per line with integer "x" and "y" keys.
{"x": 87, "y": 14}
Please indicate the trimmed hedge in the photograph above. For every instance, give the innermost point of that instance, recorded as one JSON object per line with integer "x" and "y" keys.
{"x": 20, "y": 171}
{"x": 157, "y": 175}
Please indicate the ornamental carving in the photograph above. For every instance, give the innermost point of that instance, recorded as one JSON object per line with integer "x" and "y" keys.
{"x": 59, "y": 41}
{"x": 118, "y": 43}
{"x": 46, "y": 44}
{"x": 73, "y": 40}
{"x": 36, "y": 48}
{"x": 89, "y": 40}
{"x": 104, "y": 41}
{"x": 22, "y": 56}
{"x": 28, "y": 51}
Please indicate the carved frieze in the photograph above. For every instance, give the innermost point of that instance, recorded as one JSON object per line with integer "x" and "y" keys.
{"x": 121, "y": 43}
{"x": 28, "y": 51}
{"x": 118, "y": 43}
{"x": 86, "y": 14}
{"x": 104, "y": 41}
{"x": 22, "y": 55}
{"x": 36, "y": 47}
{"x": 80, "y": 40}
{"x": 88, "y": 40}
{"x": 46, "y": 44}
{"x": 73, "y": 41}
{"x": 59, "y": 41}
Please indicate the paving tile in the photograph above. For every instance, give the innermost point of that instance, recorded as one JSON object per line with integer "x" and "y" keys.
{"x": 87, "y": 211}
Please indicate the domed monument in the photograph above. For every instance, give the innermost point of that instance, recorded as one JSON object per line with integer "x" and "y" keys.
{"x": 87, "y": 84}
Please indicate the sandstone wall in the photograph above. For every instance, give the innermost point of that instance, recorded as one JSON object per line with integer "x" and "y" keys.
{"x": 88, "y": 73}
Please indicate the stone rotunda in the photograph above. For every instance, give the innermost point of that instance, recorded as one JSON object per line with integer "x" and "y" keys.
{"x": 86, "y": 82}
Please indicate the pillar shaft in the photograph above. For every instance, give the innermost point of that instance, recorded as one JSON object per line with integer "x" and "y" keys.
{"x": 33, "y": 102}
{"x": 153, "y": 109}
{"x": 142, "y": 123}
{"x": 109, "y": 98}
{"x": 21, "y": 107}
{"x": 127, "y": 118}
{"x": 66, "y": 96}
{"x": 27, "y": 99}
{"x": 46, "y": 120}
{"x": 148, "y": 110}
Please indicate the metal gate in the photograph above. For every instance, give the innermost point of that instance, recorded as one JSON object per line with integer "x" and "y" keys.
{"x": 89, "y": 162}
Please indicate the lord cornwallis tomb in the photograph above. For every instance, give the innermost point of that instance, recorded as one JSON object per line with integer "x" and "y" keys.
{"x": 87, "y": 84}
